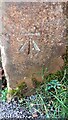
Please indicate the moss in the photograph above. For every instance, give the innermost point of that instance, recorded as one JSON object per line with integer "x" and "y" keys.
{"x": 19, "y": 91}
{"x": 22, "y": 85}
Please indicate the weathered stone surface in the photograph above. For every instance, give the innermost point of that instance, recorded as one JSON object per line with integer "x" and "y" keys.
{"x": 33, "y": 36}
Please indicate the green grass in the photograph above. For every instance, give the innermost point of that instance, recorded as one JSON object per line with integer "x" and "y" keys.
{"x": 4, "y": 94}
{"x": 50, "y": 99}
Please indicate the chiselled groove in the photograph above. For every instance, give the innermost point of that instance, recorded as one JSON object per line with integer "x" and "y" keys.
{"x": 23, "y": 47}
{"x": 29, "y": 47}
{"x": 36, "y": 46}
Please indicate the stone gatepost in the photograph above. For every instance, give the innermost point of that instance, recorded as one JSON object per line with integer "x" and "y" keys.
{"x": 33, "y": 36}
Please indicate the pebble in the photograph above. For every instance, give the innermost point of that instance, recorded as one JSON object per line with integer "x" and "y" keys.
{"x": 15, "y": 110}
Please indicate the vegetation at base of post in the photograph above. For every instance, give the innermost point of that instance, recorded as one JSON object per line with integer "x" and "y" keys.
{"x": 50, "y": 97}
{"x": 19, "y": 91}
